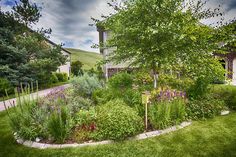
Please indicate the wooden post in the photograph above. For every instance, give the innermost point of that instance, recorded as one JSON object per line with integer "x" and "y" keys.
{"x": 145, "y": 98}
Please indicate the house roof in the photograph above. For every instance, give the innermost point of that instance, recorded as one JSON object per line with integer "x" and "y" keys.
{"x": 51, "y": 42}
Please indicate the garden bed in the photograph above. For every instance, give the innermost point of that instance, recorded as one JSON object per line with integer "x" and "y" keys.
{"x": 88, "y": 111}
{"x": 138, "y": 137}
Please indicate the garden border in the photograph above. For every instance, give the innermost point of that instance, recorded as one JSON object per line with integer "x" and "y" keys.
{"x": 142, "y": 136}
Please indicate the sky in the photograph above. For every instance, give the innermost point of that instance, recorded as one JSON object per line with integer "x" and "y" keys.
{"x": 70, "y": 19}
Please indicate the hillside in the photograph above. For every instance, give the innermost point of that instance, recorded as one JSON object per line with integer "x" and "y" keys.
{"x": 89, "y": 59}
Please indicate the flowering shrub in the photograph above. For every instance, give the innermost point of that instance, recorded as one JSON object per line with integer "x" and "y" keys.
{"x": 167, "y": 95}
{"x": 117, "y": 121}
{"x": 60, "y": 124}
{"x": 166, "y": 113}
{"x": 85, "y": 85}
{"x": 207, "y": 107}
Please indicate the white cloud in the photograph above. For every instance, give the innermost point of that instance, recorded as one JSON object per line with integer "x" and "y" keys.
{"x": 70, "y": 19}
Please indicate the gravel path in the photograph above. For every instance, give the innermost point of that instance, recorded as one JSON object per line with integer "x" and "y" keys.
{"x": 40, "y": 94}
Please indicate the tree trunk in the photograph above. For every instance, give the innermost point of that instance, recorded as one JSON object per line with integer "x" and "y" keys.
{"x": 155, "y": 75}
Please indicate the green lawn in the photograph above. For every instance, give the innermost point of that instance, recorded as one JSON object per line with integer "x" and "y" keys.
{"x": 215, "y": 137}
{"x": 89, "y": 59}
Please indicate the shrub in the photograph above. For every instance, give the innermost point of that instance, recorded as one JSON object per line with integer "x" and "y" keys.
{"x": 131, "y": 97}
{"x": 76, "y": 68}
{"x": 53, "y": 78}
{"x": 101, "y": 96}
{"x": 199, "y": 88}
{"x": 60, "y": 124}
{"x": 142, "y": 79}
{"x": 226, "y": 93}
{"x": 86, "y": 117}
{"x": 206, "y": 107}
{"x": 166, "y": 113}
{"x": 79, "y": 103}
{"x": 85, "y": 125}
{"x": 117, "y": 121}
{"x": 28, "y": 121}
{"x": 85, "y": 85}
{"x": 5, "y": 85}
{"x": 62, "y": 77}
{"x": 120, "y": 81}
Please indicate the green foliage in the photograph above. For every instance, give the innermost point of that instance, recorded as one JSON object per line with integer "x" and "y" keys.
{"x": 76, "y": 68}
{"x": 85, "y": 85}
{"x": 86, "y": 117}
{"x": 121, "y": 81}
{"x": 199, "y": 88}
{"x": 60, "y": 124}
{"x": 206, "y": 107}
{"x": 163, "y": 35}
{"x": 26, "y": 13}
{"x": 77, "y": 103}
{"x": 80, "y": 135}
{"x": 117, "y": 121}
{"x": 27, "y": 119}
{"x": 200, "y": 139}
{"x": 62, "y": 77}
{"x": 131, "y": 97}
{"x": 175, "y": 83}
{"x": 165, "y": 113}
{"x": 226, "y": 93}
{"x": 5, "y": 85}
{"x": 102, "y": 96}
{"x": 85, "y": 125}
{"x": 142, "y": 79}
{"x": 53, "y": 78}
{"x": 25, "y": 56}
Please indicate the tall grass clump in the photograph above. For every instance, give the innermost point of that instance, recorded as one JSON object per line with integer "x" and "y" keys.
{"x": 165, "y": 113}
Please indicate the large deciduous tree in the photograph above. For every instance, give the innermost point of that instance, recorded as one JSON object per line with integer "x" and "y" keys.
{"x": 165, "y": 34}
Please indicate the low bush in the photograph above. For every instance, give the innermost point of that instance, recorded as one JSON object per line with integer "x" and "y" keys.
{"x": 76, "y": 68}
{"x": 117, "y": 121}
{"x": 206, "y": 107}
{"x": 85, "y": 125}
{"x": 102, "y": 96}
{"x": 120, "y": 81}
{"x": 86, "y": 117}
{"x": 28, "y": 120}
{"x": 78, "y": 103}
{"x": 226, "y": 93}
{"x": 47, "y": 118}
{"x": 85, "y": 85}
{"x": 53, "y": 78}
{"x": 60, "y": 124}
{"x": 199, "y": 89}
{"x": 5, "y": 85}
{"x": 62, "y": 77}
{"x": 166, "y": 113}
{"x": 131, "y": 97}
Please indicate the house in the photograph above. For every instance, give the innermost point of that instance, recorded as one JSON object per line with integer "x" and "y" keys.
{"x": 66, "y": 68}
{"x": 228, "y": 60}
{"x": 229, "y": 63}
{"x": 109, "y": 68}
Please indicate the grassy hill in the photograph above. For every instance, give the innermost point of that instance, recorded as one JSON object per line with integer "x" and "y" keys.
{"x": 89, "y": 59}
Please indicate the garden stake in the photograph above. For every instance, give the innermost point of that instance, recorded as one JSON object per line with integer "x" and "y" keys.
{"x": 145, "y": 98}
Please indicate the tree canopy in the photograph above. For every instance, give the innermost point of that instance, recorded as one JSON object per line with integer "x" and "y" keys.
{"x": 165, "y": 35}
{"x": 25, "y": 55}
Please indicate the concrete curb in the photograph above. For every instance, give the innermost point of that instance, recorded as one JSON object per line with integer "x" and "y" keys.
{"x": 142, "y": 136}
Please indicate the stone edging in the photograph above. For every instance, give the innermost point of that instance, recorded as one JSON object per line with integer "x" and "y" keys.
{"x": 138, "y": 137}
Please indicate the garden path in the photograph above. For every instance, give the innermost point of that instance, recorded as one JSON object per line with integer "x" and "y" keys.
{"x": 40, "y": 94}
